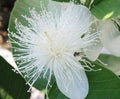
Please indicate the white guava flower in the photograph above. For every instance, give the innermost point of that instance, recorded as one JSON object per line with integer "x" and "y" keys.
{"x": 50, "y": 42}
{"x": 111, "y": 37}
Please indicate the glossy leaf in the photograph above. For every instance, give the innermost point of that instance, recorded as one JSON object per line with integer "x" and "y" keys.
{"x": 105, "y": 9}
{"x": 12, "y": 85}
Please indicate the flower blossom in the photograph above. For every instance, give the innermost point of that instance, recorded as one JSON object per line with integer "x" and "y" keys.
{"x": 49, "y": 42}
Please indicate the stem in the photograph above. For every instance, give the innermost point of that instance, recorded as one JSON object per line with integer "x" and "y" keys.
{"x": 87, "y": 3}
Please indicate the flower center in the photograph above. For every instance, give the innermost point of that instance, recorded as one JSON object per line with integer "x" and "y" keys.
{"x": 56, "y": 53}
{"x": 56, "y": 46}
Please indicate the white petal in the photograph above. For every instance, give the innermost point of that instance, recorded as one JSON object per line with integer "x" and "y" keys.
{"x": 68, "y": 18}
{"x": 73, "y": 22}
{"x": 56, "y": 7}
{"x": 71, "y": 78}
{"x": 93, "y": 51}
{"x": 111, "y": 38}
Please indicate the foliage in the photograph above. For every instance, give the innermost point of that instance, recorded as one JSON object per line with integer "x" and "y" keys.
{"x": 12, "y": 85}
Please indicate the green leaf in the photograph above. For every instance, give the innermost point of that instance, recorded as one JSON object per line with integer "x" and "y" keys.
{"x": 104, "y": 84}
{"x": 12, "y": 85}
{"x": 105, "y": 9}
{"x": 22, "y": 7}
{"x": 112, "y": 62}
{"x": 95, "y": 2}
